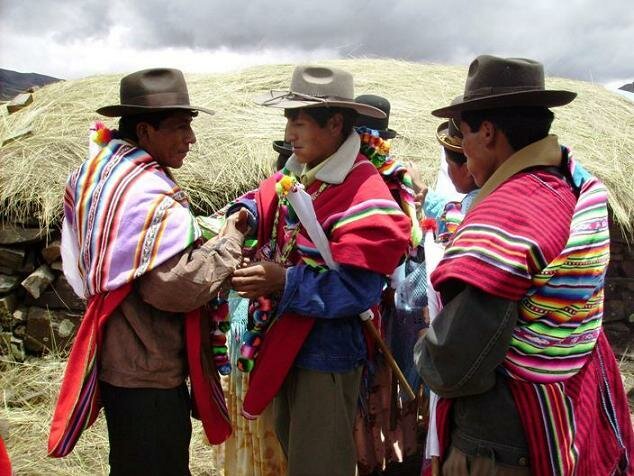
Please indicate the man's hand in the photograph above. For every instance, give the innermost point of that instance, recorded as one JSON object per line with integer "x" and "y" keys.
{"x": 419, "y": 198}
{"x": 239, "y": 221}
{"x": 416, "y": 180}
{"x": 259, "y": 279}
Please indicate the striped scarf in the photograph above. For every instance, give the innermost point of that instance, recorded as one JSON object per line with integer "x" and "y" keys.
{"x": 127, "y": 216}
{"x": 394, "y": 174}
{"x": 560, "y": 316}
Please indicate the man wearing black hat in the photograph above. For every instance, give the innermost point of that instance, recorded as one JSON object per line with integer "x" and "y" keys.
{"x": 131, "y": 247}
{"x": 386, "y": 428}
{"x": 530, "y": 384}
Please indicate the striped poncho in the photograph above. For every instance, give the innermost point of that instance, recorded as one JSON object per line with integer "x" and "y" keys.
{"x": 560, "y": 369}
{"x": 126, "y": 215}
{"x": 123, "y": 216}
{"x": 365, "y": 229}
{"x": 507, "y": 253}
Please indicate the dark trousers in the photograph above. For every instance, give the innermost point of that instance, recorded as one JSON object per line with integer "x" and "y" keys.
{"x": 148, "y": 430}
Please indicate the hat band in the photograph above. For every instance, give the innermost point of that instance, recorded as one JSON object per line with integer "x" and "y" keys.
{"x": 494, "y": 90}
{"x": 158, "y": 99}
{"x": 295, "y": 96}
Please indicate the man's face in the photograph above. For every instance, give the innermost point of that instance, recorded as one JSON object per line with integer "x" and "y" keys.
{"x": 169, "y": 143}
{"x": 480, "y": 162}
{"x": 460, "y": 176}
{"x": 311, "y": 143}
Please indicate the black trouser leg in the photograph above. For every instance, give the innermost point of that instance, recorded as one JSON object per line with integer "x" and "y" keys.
{"x": 148, "y": 429}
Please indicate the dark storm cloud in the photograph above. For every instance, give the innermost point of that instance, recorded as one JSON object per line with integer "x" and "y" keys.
{"x": 582, "y": 39}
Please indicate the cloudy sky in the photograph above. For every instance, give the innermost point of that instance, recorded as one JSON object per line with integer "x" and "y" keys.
{"x": 584, "y": 39}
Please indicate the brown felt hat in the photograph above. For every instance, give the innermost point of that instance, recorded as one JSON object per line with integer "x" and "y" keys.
{"x": 494, "y": 83}
{"x": 318, "y": 86}
{"x": 151, "y": 90}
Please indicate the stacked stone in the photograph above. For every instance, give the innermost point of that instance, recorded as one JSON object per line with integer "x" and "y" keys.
{"x": 39, "y": 311}
{"x": 619, "y": 294}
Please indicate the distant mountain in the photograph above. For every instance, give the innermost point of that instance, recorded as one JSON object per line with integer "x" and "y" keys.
{"x": 629, "y": 87}
{"x": 13, "y": 83}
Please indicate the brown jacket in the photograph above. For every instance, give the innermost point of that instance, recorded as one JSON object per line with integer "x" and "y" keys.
{"x": 143, "y": 343}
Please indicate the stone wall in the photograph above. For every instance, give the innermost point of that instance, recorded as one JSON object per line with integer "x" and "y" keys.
{"x": 619, "y": 294}
{"x": 39, "y": 312}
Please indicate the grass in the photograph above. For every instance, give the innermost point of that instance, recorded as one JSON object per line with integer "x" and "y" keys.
{"x": 29, "y": 392}
{"x": 234, "y": 150}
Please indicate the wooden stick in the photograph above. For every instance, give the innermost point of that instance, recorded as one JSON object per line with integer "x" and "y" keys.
{"x": 390, "y": 358}
{"x": 435, "y": 466}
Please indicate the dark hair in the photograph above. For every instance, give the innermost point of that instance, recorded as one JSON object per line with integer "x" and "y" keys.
{"x": 321, "y": 115}
{"x": 456, "y": 157}
{"x": 521, "y": 125}
{"x": 127, "y": 124}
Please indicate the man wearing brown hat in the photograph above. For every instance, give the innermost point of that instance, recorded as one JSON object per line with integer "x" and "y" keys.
{"x": 310, "y": 359}
{"x": 528, "y": 380}
{"x": 131, "y": 247}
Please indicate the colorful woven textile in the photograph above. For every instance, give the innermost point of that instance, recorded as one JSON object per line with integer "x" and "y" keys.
{"x": 127, "y": 215}
{"x": 561, "y": 300}
{"x": 395, "y": 175}
{"x": 78, "y": 402}
{"x": 582, "y": 425}
{"x": 253, "y": 447}
{"x": 366, "y": 229}
{"x": 123, "y": 216}
{"x": 566, "y": 385}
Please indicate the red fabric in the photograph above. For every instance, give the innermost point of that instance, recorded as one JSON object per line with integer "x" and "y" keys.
{"x": 207, "y": 397}
{"x": 598, "y": 450}
{"x": 528, "y": 234}
{"x": 376, "y": 243}
{"x": 279, "y": 348}
{"x": 78, "y": 403}
{"x": 595, "y": 392}
{"x": 443, "y": 425}
{"x": 5, "y": 462}
{"x": 377, "y": 322}
{"x": 69, "y": 419}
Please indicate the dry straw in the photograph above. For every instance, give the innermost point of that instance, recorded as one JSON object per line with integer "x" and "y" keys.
{"x": 232, "y": 154}
{"x": 28, "y": 392}
{"x": 234, "y": 151}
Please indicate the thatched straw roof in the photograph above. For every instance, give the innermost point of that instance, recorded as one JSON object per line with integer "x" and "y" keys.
{"x": 234, "y": 146}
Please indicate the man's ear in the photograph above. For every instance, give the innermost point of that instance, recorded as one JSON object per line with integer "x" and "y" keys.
{"x": 488, "y": 132}
{"x": 142, "y": 131}
{"x": 335, "y": 124}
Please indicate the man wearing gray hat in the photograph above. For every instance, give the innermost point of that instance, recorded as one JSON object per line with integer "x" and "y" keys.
{"x": 310, "y": 360}
{"x": 131, "y": 246}
{"x": 528, "y": 379}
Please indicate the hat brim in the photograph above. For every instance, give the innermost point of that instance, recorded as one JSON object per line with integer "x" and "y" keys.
{"x": 280, "y": 148}
{"x": 442, "y": 133}
{"x": 281, "y": 101}
{"x": 541, "y": 98}
{"x": 387, "y": 133}
{"x": 130, "y": 110}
